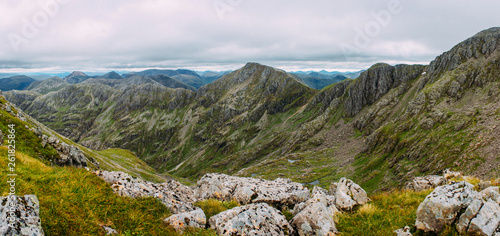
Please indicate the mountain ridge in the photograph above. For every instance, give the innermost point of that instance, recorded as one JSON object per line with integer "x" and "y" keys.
{"x": 398, "y": 121}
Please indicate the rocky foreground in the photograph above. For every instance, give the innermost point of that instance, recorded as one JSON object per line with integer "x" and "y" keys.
{"x": 471, "y": 209}
{"x": 262, "y": 203}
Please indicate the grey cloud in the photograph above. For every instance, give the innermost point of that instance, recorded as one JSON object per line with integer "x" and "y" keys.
{"x": 192, "y": 34}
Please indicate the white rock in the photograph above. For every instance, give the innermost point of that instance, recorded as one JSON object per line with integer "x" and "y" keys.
{"x": 315, "y": 216}
{"x": 442, "y": 206}
{"x": 403, "y": 232}
{"x": 25, "y": 213}
{"x": 280, "y": 192}
{"x": 195, "y": 218}
{"x": 251, "y": 220}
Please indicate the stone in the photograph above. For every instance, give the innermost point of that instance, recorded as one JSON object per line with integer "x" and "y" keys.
{"x": 314, "y": 219}
{"x": 109, "y": 230}
{"x": 180, "y": 221}
{"x": 442, "y": 206}
{"x": 348, "y": 194}
{"x": 482, "y": 216}
{"x": 425, "y": 182}
{"x": 280, "y": 192}
{"x": 25, "y": 213}
{"x": 51, "y": 140}
{"x": 487, "y": 219}
{"x": 8, "y": 108}
{"x": 1, "y": 138}
{"x": 45, "y": 140}
{"x": 483, "y": 185}
{"x": 448, "y": 174}
{"x": 403, "y": 232}
{"x": 179, "y": 198}
{"x": 252, "y": 220}
{"x": 315, "y": 216}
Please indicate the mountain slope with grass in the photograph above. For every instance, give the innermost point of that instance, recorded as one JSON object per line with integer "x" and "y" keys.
{"x": 74, "y": 201}
{"x": 381, "y": 129}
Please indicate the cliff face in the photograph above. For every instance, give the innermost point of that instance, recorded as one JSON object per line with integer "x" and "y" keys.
{"x": 390, "y": 123}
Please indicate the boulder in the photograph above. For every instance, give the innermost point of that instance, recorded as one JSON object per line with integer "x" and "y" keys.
{"x": 315, "y": 216}
{"x": 348, "y": 194}
{"x": 180, "y": 221}
{"x": 425, "y": 182}
{"x": 174, "y": 195}
{"x": 177, "y": 197}
{"x": 1, "y": 138}
{"x": 253, "y": 219}
{"x": 20, "y": 215}
{"x": 443, "y": 205}
{"x": 482, "y": 216}
{"x": 280, "y": 192}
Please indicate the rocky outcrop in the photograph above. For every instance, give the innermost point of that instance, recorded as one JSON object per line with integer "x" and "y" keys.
{"x": 69, "y": 155}
{"x": 177, "y": 197}
{"x": 280, "y": 192}
{"x": 1, "y": 138}
{"x": 372, "y": 84}
{"x": 348, "y": 194}
{"x": 443, "y": 206}
{"x": 174, "y": 195}
{"x": 425, "y": 182}
{"x": 254, "y": 219}
{"x": 483, "y": 44}
{"x": 482, "y": 216}
{"x": 195, "y": 218}
{"x": 20, "y": 215}
{"x": 315, "y": 216}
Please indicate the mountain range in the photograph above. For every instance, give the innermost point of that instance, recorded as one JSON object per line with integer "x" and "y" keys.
{"x": 380, "y": 129}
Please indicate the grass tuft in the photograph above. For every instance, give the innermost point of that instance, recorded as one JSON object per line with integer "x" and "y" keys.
{"x": 213, "y": 207}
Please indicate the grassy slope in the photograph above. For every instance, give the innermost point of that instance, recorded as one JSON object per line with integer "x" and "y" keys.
{"x": 76, "y": 202}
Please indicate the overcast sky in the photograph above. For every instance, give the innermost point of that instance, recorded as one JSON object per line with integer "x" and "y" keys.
{"x": 97, "y": 35}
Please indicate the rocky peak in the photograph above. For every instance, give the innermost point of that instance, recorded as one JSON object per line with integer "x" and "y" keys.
{"x": 482, "y": 44}
{"x": 111, "y": 75}
{"x": 253, "y": 86}
{"x": 76, "y": 73}
{"x": 375, "y": 82}
{"x": 76, "y": 77}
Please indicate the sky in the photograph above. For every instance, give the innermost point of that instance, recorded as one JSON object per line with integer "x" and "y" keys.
{"x": 332, "y": 35}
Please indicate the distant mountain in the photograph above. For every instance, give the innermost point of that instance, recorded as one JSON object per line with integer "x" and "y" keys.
{"x": 109, "y": 75}
{"x": 48, "y": 85}
{"x": 123, "y": 83}
{"x": 76, "y": 77}
{"x": 318, "y": 80}
{"x": 211, "y": 76}
{"x": 18, "y": 82}
{"x": 185, "y": 76}
{"x": 172, "y": 82}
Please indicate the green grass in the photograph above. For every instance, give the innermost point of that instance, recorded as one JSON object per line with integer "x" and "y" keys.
{"x": 76, "y": 202}
{"x": 129, "y": 161}
{"x": 387, "y": 212}
{"x": 213, "y": 207}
